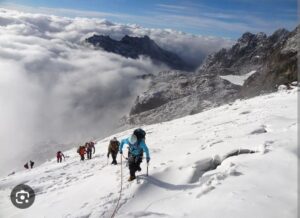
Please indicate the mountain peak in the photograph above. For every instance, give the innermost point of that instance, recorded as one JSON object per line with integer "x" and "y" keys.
{"x": 246, "y": 36}
{"x": 133, "y": 47}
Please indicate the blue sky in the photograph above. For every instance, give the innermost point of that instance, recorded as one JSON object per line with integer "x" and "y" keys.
{"x": 225, "y": 18}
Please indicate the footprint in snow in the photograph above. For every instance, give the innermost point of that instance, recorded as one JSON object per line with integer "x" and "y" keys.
{"x": 265, "y": 148}
{"x": 87, "y": 176}
{"x": 245, "y": 112}
{"x": 84, "y": 205}
{"x": 216, "y": 142}
{"x": 260, "y": 130}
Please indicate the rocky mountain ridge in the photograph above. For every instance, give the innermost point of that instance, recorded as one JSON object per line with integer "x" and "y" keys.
{"x": 133, "y": 47}
{"x": 264, "y": 62}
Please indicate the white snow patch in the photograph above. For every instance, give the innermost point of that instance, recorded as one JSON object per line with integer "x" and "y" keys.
{"x": 282, "y": 88}
{"x": 238, "y": 80}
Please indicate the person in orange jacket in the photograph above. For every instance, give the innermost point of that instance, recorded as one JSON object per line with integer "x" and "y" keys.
{"x": 81, "y": 151}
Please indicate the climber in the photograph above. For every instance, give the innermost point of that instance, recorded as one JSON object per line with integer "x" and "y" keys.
{"x": 89, "y": 147}
{"x": 31, "y": 164}
{"x": 113, "y": 149}
{"x": 137, "y": 146}
{"x": 81, "y": 151}
{"x": 59, "y": 156}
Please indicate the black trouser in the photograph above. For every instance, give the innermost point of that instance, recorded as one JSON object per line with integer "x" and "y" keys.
{"x": 59, "y": 159}
{"x": 134, "y": 163}
{"x": 82, "y": 157}
{"x": 114, "y": 157}
{"x": 89, "y": 153}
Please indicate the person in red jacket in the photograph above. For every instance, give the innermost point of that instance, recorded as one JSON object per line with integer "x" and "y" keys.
{"x": 59, "y": 156}
{"x": 81, "y": 151}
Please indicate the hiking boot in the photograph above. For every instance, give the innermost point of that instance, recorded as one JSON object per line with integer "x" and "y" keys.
{"x": 131, "y": 178}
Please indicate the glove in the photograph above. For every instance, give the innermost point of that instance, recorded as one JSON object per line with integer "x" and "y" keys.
{"x": 121, "y": 152}
{"x": 148, "y": 159}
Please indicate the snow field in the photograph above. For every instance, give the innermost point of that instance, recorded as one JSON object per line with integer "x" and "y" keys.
{"x": 189, "y": 174}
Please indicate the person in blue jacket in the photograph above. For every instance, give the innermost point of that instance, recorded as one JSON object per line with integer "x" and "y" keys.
{"x": 137, "y": 146}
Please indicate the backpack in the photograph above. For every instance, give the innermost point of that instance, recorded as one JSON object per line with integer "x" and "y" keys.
{"x": 135, "y": 150}
{"x": 91, "y": 145}
{"x": 81, "y": 150}
{"x": 139, "y": 133}
{"x": 114, "y": 145}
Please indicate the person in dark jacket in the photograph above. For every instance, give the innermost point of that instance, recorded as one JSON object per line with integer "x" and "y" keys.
{"x": 113, "y": 149}
{"x": 31, "y": 164}
{"x": 90, "y": 146}
{"x": 59, "y": 156}
{"x": 137, "y": 146}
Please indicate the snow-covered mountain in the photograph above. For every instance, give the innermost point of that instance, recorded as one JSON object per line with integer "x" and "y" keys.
{"x": 256, "y": 64}
{"x": 236, "y": 160}
{"x": 271, "y": 59}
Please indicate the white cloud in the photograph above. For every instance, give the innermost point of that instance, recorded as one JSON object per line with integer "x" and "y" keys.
{"x": 55, "y": 87}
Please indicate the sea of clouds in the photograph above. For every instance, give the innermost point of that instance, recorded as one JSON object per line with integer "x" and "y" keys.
{"x": 54, "y": 88}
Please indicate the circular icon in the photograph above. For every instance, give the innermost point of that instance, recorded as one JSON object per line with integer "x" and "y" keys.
{"x": 22, "y": 196}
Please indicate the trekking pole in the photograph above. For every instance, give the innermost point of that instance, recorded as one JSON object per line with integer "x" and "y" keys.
{"x": 147, "y": 168}
{"x": 121, "y": 189}
{"x": 125, "y": 158}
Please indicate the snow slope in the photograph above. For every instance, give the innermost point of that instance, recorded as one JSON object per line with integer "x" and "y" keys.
{"x": 180, "y": 184}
